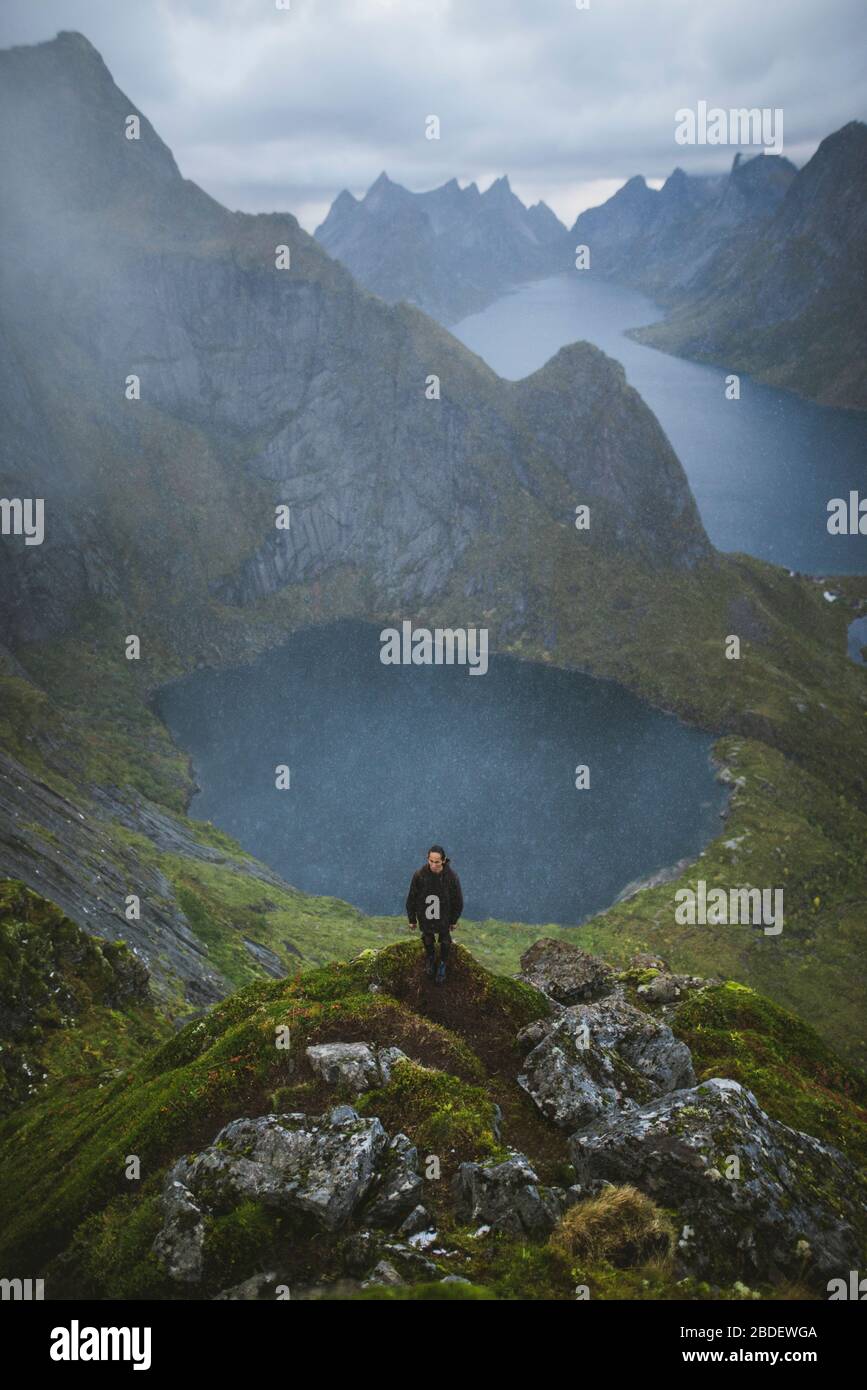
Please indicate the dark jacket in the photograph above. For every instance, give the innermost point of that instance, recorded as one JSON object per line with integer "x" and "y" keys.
{"x": 447, "y": 885}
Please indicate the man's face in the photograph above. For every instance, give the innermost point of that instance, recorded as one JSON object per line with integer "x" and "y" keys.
{"x": 435, "y": 863}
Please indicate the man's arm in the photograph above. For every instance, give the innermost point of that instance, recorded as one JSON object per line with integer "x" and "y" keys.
{"x": 458, "y": 899}
{"x": 410, "y": 900}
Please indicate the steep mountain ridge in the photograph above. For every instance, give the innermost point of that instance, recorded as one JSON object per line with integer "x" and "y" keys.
{"x": 787, "y": 303}
{"x": 449, "y": 250}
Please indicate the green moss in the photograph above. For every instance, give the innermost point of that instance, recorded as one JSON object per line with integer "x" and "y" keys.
{"x": 424, "y": 1293}
{"x": 73, "y": 1008}
{"x": 440, "y": 1113}
{"x": 732, "y": 1031}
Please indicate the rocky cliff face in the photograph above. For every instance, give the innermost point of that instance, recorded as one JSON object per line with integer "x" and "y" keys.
{"x": 449, "y": 251}
{"x": 258, "y": 386}
{"x": 787, "y": 300}
{"x": 662, "y": 241}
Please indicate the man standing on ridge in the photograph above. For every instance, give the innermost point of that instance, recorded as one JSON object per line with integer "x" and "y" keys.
{"x": 435, "y": 902}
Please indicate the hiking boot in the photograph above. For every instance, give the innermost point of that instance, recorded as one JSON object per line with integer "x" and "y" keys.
{"x": 429, "y": 969}
{"x": 441, "y": 973}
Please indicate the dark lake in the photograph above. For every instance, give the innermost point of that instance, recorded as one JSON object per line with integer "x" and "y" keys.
{"x": 385, "y": 761}
{"x": 762, "y": 468}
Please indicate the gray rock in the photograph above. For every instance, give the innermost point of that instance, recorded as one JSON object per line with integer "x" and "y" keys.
{"x": 662, "y": 989}
{"x": 407, "y": 1259}
{"x": 648, "y": 960}
{"x": 530, "y": 1036}
{"x": 566, "y": 973}
{"x": 180, "y": 1242}
{"x": 401, "y": 1185}
{"x": 792, "y": 1187}
{"x": 322, "y": 1167}
{"x": 343, "y": 1063}
{"x": 386, "y": 1058}
{"x": 506, "y": 1196}
{"x": 643, "y": 1042}
{"x": 356, "y": 1065}
{"x": 383, "y": 1273}
{"x": 630, "y": 1057}
{"x": 417, "y": 1220}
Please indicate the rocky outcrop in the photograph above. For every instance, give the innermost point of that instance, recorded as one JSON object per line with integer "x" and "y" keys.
{"x": 507, "y": 1196}
{"x": 565, "y": 973}
{"x": 662, "y": 241}
{"x": 793, "y": 1208}
{"x": 355, "y": 1066}
{"x": 322, "y": 1168}
{"x": 600, "y": 1059}
{"x": 772, "y": 302}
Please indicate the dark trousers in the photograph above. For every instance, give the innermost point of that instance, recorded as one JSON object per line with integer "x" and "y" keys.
{"x": 428, "y": 936}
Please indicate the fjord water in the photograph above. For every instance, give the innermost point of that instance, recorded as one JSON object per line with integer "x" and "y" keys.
{"x": 762, "y": 469}
{"x": 386, "y": 760}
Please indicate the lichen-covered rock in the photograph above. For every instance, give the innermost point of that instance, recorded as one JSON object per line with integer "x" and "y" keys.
{"x": 357, "y": 1066}
{"x": 565, "y": 973}
{"x": 797, "y": 1210}
{"x": 644, "y": 1042}
{"x": 666, "y": 988}
{"x": 506, "y": 1196}
{"x": 600, "y": 1058}
{"x": 323, "y": 1167}
{"x": 530, "y": 1036}
{"x": 401, "y": 1185}
{"x": 179, "y": 1244}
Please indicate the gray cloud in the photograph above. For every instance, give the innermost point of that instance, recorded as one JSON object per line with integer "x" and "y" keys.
{"x": 270, "y": 108}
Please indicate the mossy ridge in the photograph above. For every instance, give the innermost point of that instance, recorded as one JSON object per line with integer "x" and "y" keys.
{"x": 217, "y": 1068}
{"x": 87, "y": 1226}
{"x": 75, "y": 1009}
{"x": 440, "y": 1114}
{"x": 796, "y": 1077}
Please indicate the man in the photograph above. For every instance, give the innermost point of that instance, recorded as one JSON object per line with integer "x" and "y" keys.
{"x": 435, "y": 902}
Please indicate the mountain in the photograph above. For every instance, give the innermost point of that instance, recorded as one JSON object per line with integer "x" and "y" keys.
{"x": 662, "y": 240}
{"x": 261, "y": 387}
{"x": 450, "y": 251}
{"x": 787, "y": 302}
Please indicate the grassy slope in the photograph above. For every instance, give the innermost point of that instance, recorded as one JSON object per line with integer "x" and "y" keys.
{"x": 69, "y": 1151}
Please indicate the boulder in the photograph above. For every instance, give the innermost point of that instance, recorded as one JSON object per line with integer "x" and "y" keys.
{"x": 357, "y": 1066}
{"x": 797, "y": 1210}
{"x": 322, "y": 1167}
{"x": 629, "y": 1057}
{"x": 565, "y": 973}
{"x": 506, "y": 1196}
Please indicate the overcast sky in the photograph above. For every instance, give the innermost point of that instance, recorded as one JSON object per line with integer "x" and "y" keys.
{"x": 272, "y": 108}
